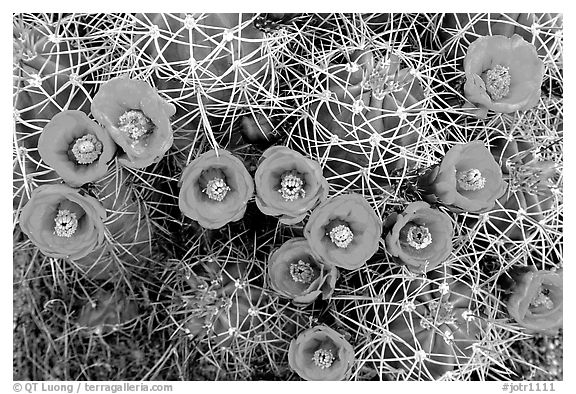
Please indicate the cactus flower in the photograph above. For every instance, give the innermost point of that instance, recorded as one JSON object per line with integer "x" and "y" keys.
{"x": 215, "y": 188}
{"x": 344, "y": 231}
{"x": 137, "y": 118}
{"x": 76, "y": 147}
{"x": 420, "y": 237}
{"x": 295, "y": 273}
{"x": 536, "y": 301}
{"x": 321, "y": 353}
{"x": 503, "y": 74}
{"x": 464, "y": 28}
{"x": 62, "y": 222}
{"x": 288, "y": 184}
{"x": 467, "y": 179}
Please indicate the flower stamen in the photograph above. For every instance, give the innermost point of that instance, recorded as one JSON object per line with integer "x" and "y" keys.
{"x": 542, "y": 299}
{"x": 66, "y": 223}
{"x": 135, "y": 124}
{"x": 497, "y": 82}
{"x": 419, "y": 237}
{"x": 87, "y": 149}
{"x": 341, "y": 236}
{"x": 323, "y": 358}
{"x": 301, "y": 272}
{"x": 216, "y": 189}
{"x": 292, "y": 186}
{"x": 470, "y": 180}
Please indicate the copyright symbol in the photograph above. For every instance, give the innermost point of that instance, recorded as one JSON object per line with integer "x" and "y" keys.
{"x": 17, "y": 387}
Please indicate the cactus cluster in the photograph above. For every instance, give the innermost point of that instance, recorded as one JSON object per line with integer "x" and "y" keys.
{"x": 315, "y": 196}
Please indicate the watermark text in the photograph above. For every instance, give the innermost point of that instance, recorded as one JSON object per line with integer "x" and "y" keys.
{"x": 511, "y": 387}
{"x": 91, "y": 387}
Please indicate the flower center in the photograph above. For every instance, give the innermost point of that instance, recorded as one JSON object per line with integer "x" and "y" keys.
{"x": 323, "y": 358}
{"x": 301, "y": 272}
{"x": 291, "y": 186}
{"x": 438, "y": 313}
{"x": 216, "y": 189}
{"x": 471, "y": 179}
{"x": 341, "y": 235}
{"x": 87, "y": 149}
{"x": 419, "y": 237}
{"x": 66, "y": 223}
{"x": 135, "y": 124}
{"x": 497, "y": 81}
{"x": 542, "y": 299}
